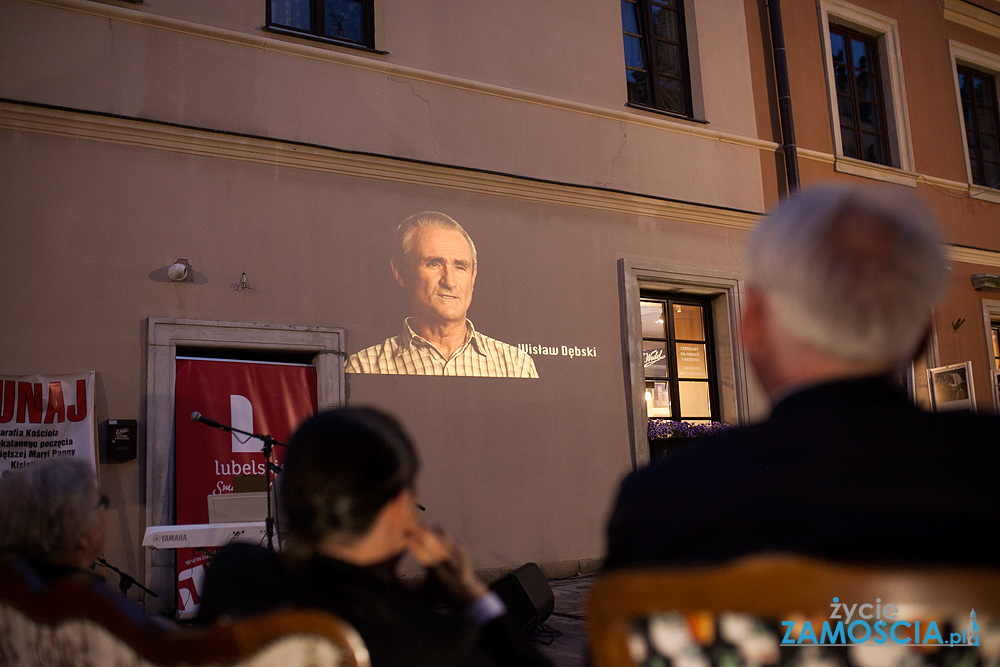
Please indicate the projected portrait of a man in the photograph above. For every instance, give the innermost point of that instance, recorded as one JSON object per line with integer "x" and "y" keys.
{"x": 434, "y": 260}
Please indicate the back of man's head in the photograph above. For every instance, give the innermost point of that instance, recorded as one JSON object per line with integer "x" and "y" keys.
{"x": 853, "y": 272}
{"x": 45, "y": 507}
{"x": 342, "y": 466}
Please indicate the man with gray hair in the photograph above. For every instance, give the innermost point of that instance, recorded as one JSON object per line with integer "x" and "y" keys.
{"x": 841, "y": 284}
{"x": 52, "y": 515}
{"x": 435, "y": 261}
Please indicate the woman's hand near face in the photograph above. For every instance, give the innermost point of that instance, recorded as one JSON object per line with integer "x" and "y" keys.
{"x": 447, "y": 561}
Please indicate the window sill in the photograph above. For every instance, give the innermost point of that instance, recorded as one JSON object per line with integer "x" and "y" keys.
{"x": 288, "y": 32}
{"x": 669, "y": 114}
{"x": 984, "y": 194}
{"x": 878, "y": 172}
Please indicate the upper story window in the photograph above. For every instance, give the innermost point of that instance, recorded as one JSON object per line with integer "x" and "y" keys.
{"x": 868, "y": 114}
{"x": 982, "y": 127}
{"x": 677, "y": 357}
{"x": 863, "y": 131}
{"x": 347, "y": 21}
{"x": 656, "y": 56}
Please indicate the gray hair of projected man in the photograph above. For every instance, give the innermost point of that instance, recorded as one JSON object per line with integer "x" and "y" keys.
{"x": 853, "y": 272}
{"x": 45, "y": 507}
{"x": 403, "y": 251}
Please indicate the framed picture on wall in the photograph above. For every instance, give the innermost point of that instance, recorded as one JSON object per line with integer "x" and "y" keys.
{"x": 951, "y": 387}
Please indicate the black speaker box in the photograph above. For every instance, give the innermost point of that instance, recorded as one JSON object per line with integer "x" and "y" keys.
{"x": 527, "y": 594}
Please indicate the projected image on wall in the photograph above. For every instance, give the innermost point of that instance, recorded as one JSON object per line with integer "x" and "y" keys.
{"x": 434, "y": 261}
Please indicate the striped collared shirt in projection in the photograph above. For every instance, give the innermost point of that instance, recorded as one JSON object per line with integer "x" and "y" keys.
{"x": 411, "y": 354}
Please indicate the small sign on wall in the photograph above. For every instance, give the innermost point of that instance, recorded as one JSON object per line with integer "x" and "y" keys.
{"x": 951, "y": 387}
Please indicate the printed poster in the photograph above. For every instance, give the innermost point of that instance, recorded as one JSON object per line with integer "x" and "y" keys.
{"x": 45, "y": 416}
{"x": 258, "y": 397}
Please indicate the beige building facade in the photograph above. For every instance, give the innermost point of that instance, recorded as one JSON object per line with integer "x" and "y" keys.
{"x": 279, "y": 163}
{"x": 930, "y": 72}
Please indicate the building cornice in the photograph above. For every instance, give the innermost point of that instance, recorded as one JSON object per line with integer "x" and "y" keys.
{"x": 971, "y": 16}
{"x": 194, "y": 141}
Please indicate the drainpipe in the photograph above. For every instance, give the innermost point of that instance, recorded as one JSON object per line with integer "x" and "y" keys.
{"x": 784, "y": 96}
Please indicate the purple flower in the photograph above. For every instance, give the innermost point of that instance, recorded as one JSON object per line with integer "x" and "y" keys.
{"x": 669, "y": 428}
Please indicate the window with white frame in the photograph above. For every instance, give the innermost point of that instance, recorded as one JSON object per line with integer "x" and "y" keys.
{"x": 978, "y": 104}
{"x": 348, "y": 22}
{"x": 867, "y": 96}
{"x": 991, "y": 322}
{"x": 684, "y": 362}
{"x": 656, "y": 55}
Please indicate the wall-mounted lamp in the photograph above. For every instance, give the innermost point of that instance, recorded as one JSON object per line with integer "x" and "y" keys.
{"x": 180, "y": 271}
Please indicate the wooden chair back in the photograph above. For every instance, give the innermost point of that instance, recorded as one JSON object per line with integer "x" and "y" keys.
{"x": 77, "y": 621}
{"x": 776, "y": 587}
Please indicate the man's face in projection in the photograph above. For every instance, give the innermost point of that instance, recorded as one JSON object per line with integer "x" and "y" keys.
{"x": 440, "y": 276}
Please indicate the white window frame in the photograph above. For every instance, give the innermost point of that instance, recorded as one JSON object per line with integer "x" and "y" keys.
{"x": 988, "y": 63}
{"x": 886, "y": 32}
{"x": 724, "y": 289}
{"x": 991, "y": 317}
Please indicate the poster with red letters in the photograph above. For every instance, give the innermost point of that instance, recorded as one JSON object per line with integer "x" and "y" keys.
{"x": 46, "y": 416}
{"x": 257, "y": 397}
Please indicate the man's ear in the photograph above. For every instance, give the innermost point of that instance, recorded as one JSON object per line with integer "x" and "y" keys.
{"x": 397, "y": 272}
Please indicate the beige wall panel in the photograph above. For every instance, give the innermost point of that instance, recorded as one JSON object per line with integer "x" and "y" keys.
{"x": 92, "y": 63}
{"x": 523, "y": 470}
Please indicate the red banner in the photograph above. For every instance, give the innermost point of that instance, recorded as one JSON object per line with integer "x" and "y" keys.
{"x": 265, "y": 398}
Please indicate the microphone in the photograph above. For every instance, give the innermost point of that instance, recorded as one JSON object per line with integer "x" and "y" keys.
{"x": 198, "y": 417}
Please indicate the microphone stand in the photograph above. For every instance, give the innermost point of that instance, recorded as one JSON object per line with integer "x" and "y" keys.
{"x": 125, "y": 580}
{"x": 267, "y": 450}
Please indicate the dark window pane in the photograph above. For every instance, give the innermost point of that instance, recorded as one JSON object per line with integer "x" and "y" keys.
{"x": 343, "y": 19}
{"x": 638, "y": 89}
{"x": 837, "y": 47}
{"x": 992, "y": 175}
{"x": 633, "y": 53}
{"x": 630, "y": 21}
{"x": 846, "y": 107}
{"x": 987, "y": 120}
{"x": 964, "y": 87}
{"x": 665, "y": 24}
{"x": 871, "y": 148}
{"x": 988, "y": 145}
{"x": 668, "y": 59}
{"x": 291, "y": 13}
{"x": 979, "y": 89}
{"x": 868, "y": 114}
{"x": 867, "y": 87}
{"x": 967, "y": 113}
{"x": 843, "y": 79}
{"x": 862, "y": 58}
{"x": 850, "y": 143}
{"x": 670, "y": 95}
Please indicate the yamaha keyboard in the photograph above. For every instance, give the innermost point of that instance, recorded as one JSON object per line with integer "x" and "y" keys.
{"x": 204, "y": 535}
